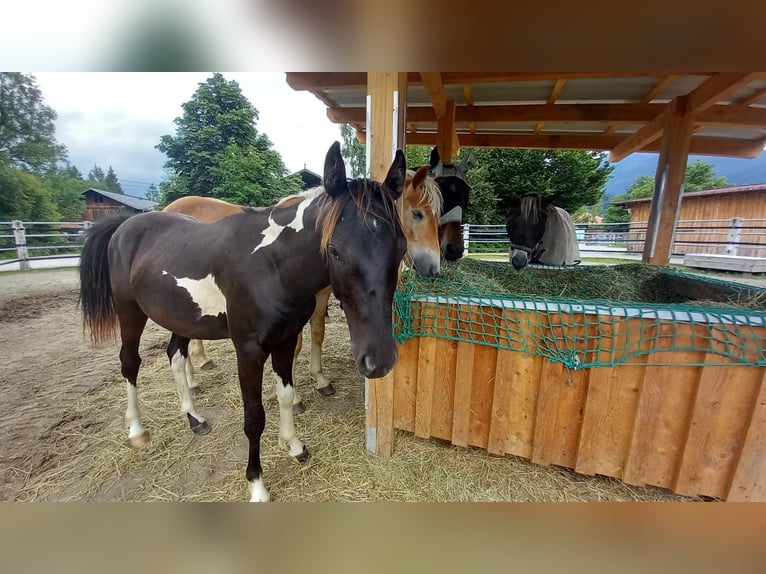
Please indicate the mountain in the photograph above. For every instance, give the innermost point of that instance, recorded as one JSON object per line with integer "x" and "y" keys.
{"x": 736, "y": 171}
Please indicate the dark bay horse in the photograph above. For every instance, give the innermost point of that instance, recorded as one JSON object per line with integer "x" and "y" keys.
{"x": 251, "y": 277}
{"x": 540, "y": 232}
{"x": 418, "y": 207}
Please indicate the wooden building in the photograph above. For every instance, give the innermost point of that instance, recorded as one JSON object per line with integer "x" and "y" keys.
{"x": 310, "y": 179}
{"x": 100, "y": 203}
{"x": 726, "y": 221}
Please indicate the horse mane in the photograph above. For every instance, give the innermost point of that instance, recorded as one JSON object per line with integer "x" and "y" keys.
{"x": 530, "y": 207}
{"x": 430, "y": 192}
{"x": 361, "y": 191}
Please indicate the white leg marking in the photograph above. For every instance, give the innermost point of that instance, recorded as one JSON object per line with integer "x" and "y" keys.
{"x": 315, "y": 366}
{"x": 204, "y": 292}
{"x": 287, "y": 434}
{"x": 178, "y": 366}
{"x": 133, "y": 413}
{"x": 197, "y": 350}
{"x": 190, "y": 374}
{"x": 258, "y": 492}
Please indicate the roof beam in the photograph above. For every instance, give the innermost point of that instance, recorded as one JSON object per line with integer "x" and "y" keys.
{"x": 701, "y": 98}
{"x": 755, "y": 97}
{"x": 435, "y": 88}
{"x": 597, "y": 142}
{"x": 557, "y": 87}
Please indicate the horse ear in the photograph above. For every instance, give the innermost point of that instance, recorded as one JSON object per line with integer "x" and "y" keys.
{"x": 547, "y": 201}
{"x": 335, "y": 172}
{"x": 434, "y": 161}
{"x": 396, "y": 174}
{"x": 420, "y": 177}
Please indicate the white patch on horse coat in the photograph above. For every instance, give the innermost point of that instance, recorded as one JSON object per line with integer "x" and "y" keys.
{"x": 287, "y": 435}
{"x": 454, "y": 215}
{"x": 258, "y": 492}
{"x": 274, "y": 230}
{"x": 559, "y": 239}
{"x": 204, "y": 292}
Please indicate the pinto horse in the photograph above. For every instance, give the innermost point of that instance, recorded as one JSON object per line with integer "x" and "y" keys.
{"x": 251, "y": 277}
{"x": 418, "y": 207}
{"x": 539, "y": 232}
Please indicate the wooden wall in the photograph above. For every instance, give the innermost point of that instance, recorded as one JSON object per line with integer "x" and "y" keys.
{"x": 98, "y": 206}
{"x": 712, "y": 211}
{"x": 697, "y": 430}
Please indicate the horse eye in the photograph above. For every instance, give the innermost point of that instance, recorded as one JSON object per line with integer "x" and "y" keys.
{"x": 334, "y": 252}
{"x": 417, "y": 215}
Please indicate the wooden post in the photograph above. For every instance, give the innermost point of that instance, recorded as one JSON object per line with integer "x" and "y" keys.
{"x": 446, "y": 134}
{"x": 734, "y": 236}
{"x": 21, "y": 244}
{"x": 668, "y": 183}
{"x": 386, "y": 108}
{"x": 386, "y": 128}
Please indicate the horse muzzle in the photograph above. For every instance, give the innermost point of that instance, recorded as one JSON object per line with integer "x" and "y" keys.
{"x": 519, "y": 259}
{"x": 426, "y": 263}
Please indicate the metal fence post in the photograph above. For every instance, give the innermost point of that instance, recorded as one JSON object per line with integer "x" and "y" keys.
{"x": 734, "y": 236}
{"x": 466, "y": 233}
{"x": 21, "y": 244}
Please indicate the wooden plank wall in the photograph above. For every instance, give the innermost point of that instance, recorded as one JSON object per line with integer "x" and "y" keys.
{"x": 703, "y": 209}
{"x": 699, "y": 431}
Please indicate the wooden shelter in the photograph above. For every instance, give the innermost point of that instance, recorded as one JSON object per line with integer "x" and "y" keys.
{"x": 672, "y": 113}
{"x": 100, "y": 203}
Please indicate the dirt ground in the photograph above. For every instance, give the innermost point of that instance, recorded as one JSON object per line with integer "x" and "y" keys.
{"x": 64, "y": 437}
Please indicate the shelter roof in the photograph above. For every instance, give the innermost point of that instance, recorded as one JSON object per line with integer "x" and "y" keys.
{"x": 760, "y": 187}
{"x": 619, "y": 112}
{"x": 136, "y": 203}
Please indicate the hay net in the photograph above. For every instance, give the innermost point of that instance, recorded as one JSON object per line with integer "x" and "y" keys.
{"x": 587, "y": 316}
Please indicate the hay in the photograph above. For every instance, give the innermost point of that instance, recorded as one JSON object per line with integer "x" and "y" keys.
{"x": 629, "y": 283}
{"x": 93, "y": 462}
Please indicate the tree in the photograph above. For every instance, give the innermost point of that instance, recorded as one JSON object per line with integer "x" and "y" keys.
{"x": 482, "y": 203}
{"x": 418, "y": 155}
{"x": 353, "y": 152}
{"x": 25, "y": 197}
{"x": 66, "y": 192}
{"x": 217, "y": 116}
{"x": 572, "y": 178}
{"x": 152, "y": 193}
{"x": 96, "y": 175}
{"x": 27, "y": 129}
{"x": 111, "y": 181}
{"x": 698, "y": 176}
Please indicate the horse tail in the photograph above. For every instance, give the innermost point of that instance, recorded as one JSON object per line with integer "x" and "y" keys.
{"x": 98, "y": 314}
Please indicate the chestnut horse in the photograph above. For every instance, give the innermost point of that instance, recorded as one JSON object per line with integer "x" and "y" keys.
{"x": 419, "y": 208}
{"x": 251, "y": 277}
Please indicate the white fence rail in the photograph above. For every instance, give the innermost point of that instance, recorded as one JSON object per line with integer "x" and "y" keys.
{"x": 22, "y": 242}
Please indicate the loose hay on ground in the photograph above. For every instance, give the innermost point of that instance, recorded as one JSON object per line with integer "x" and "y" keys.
{"x": 179, "y": 466}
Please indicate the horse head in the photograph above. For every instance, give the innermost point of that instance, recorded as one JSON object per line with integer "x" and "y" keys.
{"x": 455, "y": 193}
{"x": 364, "y": 245}
{"x": 525, "y": 224}
{"x": 419, "y": 210}
{"x": 459, "y": 169}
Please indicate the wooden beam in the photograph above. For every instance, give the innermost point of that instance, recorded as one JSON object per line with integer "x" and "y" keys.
{"x": 435, "y": 88}
{"x": 557, "y": 87}
{"x": 447, "y": 135}
{"x": 716, "y": 89}
{"x": 388, "y": 132}
{"x": 755, "y": 97}
{"x": 668, "y": 183}
{"x": 640, "y": 139}
{"x": 658, "y": 88}
{"x": 566, "y": 114}
{"x": 596, "y": 142}
{"x": 468, "y": 92}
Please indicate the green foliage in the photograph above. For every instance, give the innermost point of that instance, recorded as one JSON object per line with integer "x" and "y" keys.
{"x": 23, "y": 195}
{"x": 701, "y": 175}
{"x": 27, "y": 126}
{"x": 353, "y": 151}
{"x": 111, "y": 181}
{"x": 252, "y": 177}
{"x": 153, "y": 193}
{"x": 217, "y": 116}
{"x": 96, "y": 174}
{"x": 66, "y": 192}
{"x": 217, "y": 151}
{"x": 482, "y": 204}
{"x": 418, "y": 155}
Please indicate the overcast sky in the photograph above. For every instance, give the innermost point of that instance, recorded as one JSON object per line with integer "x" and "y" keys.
{"x": 117, "y": 118}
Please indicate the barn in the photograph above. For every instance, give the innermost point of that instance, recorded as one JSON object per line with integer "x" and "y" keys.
{"x": 727, "y": 221}
{"x": 100, "y": 203}
{"x": 693, "y": 417}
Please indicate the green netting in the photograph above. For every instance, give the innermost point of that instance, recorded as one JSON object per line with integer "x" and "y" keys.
{"x": 588, "y": 316}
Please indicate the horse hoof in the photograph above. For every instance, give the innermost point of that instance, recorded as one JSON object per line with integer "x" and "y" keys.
{"x": 327, "y": 391}
{"x": 198, "y": 427}
{"x": 139, "y": 441}
{"x": 302, "y": 457}
{"x": 195, "y": 391}
{"x": 299, "y": 408}
{"x": 207, "y": 365}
